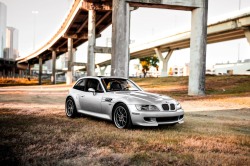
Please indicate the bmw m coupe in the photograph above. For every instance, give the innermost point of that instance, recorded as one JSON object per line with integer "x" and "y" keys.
{"x": 122, "y": 101}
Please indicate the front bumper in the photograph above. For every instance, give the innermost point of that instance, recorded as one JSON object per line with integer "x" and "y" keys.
{"x": 155, "y": 118}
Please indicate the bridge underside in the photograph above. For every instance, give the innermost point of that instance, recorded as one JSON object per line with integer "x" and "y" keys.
{"x": 88, "y": 18}
{"x": 10, "y": 69}
{"x": 78, "y": 31}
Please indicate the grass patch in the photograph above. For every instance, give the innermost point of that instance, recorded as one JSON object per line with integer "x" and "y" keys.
{"x": 23, "y": 82}
{"x": 35, "y": 131}
{"x": 56, "y": 139}
{"x": 177, "y": 87}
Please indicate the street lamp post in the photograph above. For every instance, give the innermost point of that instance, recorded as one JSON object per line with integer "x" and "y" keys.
{"x": 35, "y": 13}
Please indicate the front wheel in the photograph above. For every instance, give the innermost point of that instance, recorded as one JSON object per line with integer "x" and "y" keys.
{"x": 122, "y": 118}
{"x": 70, "y": 108}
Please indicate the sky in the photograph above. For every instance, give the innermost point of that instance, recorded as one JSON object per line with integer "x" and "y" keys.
{"x": 145, "y": 22}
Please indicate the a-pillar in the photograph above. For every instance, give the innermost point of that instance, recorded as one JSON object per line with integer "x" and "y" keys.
{"x": 40, "y": 70}
{"x": 91, "y": 43}
{"x": 120, "y": 55}
{"x": 53, "y": 76}
{"x": 247, "y": 34}
{"x": 198, "y": 44}
{"x": 70, "y": 57}
{"x": 163, "y": 66}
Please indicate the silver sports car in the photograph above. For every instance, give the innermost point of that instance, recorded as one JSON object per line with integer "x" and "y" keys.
{"x": 122, "y": 101}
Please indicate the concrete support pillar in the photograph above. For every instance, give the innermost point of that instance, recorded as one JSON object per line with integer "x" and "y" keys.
{"x": 29, "y": 69}
{"x": 102, "y": 71}
{"x": 198, "y": 46}
{"x": 13, "y": 72}
{"x": 163, "y": 67}
{"x": 53, "y": 76}
{"x": 91, "y": 43}
{"x": 247, "y": 34}
{"x": 70, "y": 57}
{"x": 120, "y": 39}
{"x": 9, "y": 74}
{"x": 3, "y": 73}
{"x": 20, "y": 73}
{"x": 40, "y": 70}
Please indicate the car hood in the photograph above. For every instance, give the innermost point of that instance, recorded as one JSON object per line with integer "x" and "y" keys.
{"x": 140, "y": 97}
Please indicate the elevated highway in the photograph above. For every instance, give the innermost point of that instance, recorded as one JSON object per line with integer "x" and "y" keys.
{"x": 88, "y": 18}
{"x": 75, "y": 27}
{"x": 72, "y": 33}
{"x": 230, "y": 26}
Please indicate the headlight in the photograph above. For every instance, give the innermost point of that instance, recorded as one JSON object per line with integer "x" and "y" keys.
{"x": 178, "y": 106}
{"x": 146, "y": 108}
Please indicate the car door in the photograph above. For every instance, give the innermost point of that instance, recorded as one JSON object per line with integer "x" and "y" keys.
{"x": 78, "y": 91}
{"x": 90, "y": 101}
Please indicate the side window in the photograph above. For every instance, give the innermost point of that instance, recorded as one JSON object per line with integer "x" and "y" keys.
{"x": 95, "y": 84}
{"x": 80, "y": 85}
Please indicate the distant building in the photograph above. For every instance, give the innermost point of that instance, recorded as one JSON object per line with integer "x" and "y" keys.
{"x": 11, "y": 43}
{"x": 210, "y": 71}
{"x": 239, "y": 68}
{"x": 153, "y": 72}
{"x": 184, "y": 70}
{"x": 3, "y": 20}
{"x": 177, "y": 70}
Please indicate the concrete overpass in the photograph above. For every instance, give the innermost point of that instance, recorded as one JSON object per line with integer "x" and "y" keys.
{"x": 72, "y": 34}
{"x": 9, "y": 68}
{"x": 88, "y": 18}
{"x": 227, "y": 27}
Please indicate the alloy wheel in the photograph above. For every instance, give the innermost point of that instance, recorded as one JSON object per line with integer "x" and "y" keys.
{"x": 120, "y": 117}
{"x": 70, "y": 108}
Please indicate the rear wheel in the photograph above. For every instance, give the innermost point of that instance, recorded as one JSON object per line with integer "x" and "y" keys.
{"x": 70, "y": 108}
{"x": 122, "y": 118}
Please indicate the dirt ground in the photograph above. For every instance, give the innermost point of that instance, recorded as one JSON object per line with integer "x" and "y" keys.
{"x": 35, "y": 131}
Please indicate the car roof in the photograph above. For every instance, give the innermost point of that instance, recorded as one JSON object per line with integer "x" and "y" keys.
{"x": 103, "y": 77}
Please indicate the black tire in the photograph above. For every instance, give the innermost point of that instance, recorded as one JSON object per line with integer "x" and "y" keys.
{"x": 121, "y": 117}
{"x": 70, "y": 108}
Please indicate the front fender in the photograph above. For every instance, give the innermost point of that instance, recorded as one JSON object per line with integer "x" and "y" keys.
{"x": 75, "y": 95}
{"x": 117, "y": 101}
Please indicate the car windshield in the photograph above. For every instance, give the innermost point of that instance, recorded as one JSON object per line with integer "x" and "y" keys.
{"x": 118, "y": 84}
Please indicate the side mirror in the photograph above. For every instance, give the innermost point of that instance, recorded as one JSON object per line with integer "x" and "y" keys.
{"x": 92, "y": 90}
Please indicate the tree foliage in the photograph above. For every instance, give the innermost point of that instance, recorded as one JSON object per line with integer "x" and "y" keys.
{"x": 147, "y": 62}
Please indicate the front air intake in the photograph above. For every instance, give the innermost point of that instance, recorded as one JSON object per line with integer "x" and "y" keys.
{"x": 167, "y": 119}
{"x": 168, "y": 107}
{"x": 165, "y": 107}
{"x": 172, "y": 107}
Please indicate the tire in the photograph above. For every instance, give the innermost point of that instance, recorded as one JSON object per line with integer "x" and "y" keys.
{"x": 70, "y": 108}
{"x": 121, "y": 118}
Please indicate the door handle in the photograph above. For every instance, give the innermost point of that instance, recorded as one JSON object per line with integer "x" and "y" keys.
{"x": 82, "y": 95}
